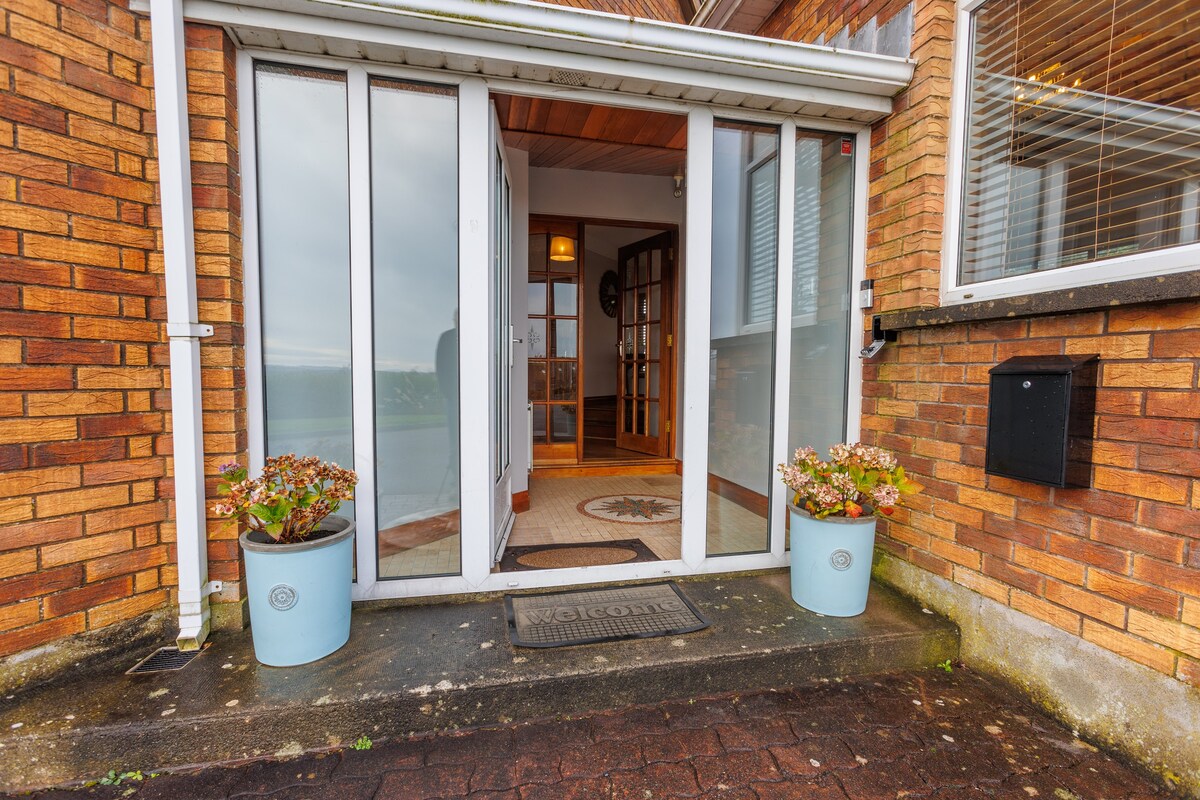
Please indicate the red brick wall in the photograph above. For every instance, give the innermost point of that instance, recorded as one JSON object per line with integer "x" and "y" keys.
{"x": 1118, "y": 564}
{"x": 85, "y": 532}
{"x": 82, "y": 543}
{"x": 663, "y": 10}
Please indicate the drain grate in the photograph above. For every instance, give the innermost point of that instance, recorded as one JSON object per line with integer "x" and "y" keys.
{"x": 164, "y": 659}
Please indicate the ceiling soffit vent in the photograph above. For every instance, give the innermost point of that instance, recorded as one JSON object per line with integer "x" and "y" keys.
{"x": 568, "y": 77}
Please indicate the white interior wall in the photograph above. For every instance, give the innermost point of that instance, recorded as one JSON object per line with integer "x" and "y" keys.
{"x": 599, "y": 330}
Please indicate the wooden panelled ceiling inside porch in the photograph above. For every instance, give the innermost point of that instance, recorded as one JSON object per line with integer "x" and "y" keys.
{"x": 568, "y": 135}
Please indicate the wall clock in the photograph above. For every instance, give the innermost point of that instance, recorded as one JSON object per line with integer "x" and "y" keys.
{"x": 609, "y": 293}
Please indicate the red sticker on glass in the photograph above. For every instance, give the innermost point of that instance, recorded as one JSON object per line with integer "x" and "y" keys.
{"x": 847, "y": 147}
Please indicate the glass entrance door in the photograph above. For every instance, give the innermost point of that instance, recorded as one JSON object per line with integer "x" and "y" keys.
{"x": 502, "y": 343}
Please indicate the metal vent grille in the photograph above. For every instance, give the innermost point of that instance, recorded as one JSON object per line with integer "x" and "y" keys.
{"x": 568, "y": 77}
{"x": 164, "y": 659}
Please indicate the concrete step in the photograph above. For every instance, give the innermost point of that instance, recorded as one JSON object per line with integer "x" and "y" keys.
{"x": 422, "y": 668}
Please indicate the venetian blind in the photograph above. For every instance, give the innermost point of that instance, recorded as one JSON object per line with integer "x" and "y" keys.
{"x": 762, "y": 236}
{"x": 1083, "y": 139}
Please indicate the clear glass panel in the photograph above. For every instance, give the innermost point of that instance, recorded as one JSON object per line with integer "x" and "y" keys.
{"x": 656, "y": 310}
{"x": 628, "y": 347}
{"x": 630, "y": 272}
{"x": 537, "y": 338}
{"x": 537, "y": 252}
{"x": 652, "y": 349}
{"x": 656, "y": 265}
{"x": 638, "y": 409}
{"x": 562, "y": 423}
{"x": 539, "y": 423}
{"x": 566, "y": 299}
{"x": 653, "y": 388}
{"x": 563, "y": 380}
{"x": 821, "y": 293}
{"x": 652, "y": 419}
{"x": 628, "y": 379}
{"x": 642, "y": 309}
{"x": 415, "y": 273}
{"x": 628, "y": 414}
{"x": 641, "y": 379}
{"x": 628, "y": 300}
{"x": 1082, "y": 143}
{"x": 745, "y": 227}
{"x": 642, "y": 337}
{"x": 565, "y": 331}
{"x": 537, "y": 298}
{"x": 643, "y": 268}
{"x": 537, "y": 381}
{"x": 304, "y": 233}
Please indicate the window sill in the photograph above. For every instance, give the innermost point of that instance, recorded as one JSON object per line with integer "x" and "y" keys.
{"x": 1155, "y": 289}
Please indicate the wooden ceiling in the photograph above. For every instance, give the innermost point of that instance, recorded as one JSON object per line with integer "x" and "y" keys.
{"x": 567, "y": 135}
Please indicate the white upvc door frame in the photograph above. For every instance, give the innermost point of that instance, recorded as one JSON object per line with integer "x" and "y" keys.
{"x": 475, "y": 153}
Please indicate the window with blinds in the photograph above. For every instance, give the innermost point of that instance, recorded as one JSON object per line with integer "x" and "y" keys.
{"x": 1083, "y": 134}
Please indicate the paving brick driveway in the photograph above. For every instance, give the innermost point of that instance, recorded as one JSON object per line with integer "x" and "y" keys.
{"x": 917, "y": 735}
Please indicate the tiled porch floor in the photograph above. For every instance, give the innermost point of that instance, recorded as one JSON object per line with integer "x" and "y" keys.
{"x": 554, "y": 518}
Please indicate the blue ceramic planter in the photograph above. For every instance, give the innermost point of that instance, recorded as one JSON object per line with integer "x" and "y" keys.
{"x": 831, "y": 563}
{"x": 299, "y": 594}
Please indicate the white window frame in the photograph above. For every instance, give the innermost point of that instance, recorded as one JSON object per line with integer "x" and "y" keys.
{"x": 1181, "y": 258}
{"x": 474, "y": 189}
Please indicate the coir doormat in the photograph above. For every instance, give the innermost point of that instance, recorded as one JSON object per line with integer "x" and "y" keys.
{"x": 584, "y": 554}
{"x": 587, "y": 616}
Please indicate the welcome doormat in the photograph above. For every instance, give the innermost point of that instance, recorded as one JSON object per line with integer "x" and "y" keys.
{"x": 583, "y": 554}
{"x": 587, "y": 616}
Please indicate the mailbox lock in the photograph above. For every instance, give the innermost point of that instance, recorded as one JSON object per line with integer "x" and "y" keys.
{"x": 1026, "y": 384}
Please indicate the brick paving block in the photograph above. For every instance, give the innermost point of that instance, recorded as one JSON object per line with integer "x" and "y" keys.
{"x": 655, "y": 781}
{"x": 465, "y": 747}
{"x": 738, "y": 793}
{"x": 494, "y": 774}
{"x": 536, "y": 768}
{"x": 347, "y": 789}
{"x": 580, "y": 789}
{"x": 882, "y": 744}
{"x": 799, "y": 790}
{"x": 600, "y": 759}
{"x": 699, "y": 713}
{"x": 769, "y": 704}
{"x": 625, "y": 725}
{"x": 882, "y": 782}
{"x": 383, "y": 757}
{"x": 952, "y": 765}
{"x": 552, "y": 736}
{"x": 428, "y": 783}
{"x": 732, "y": 770}
{"x": 264, "y": 777}
{"x": 814, "y": 756}
{"x": 752, "y": 734}
{"x": 680, "y": 745}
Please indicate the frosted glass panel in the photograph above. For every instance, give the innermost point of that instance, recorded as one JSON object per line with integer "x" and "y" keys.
{"x": 304, "y": 241}
{"x": 414, "y": 208}
{"x": 742, "y": 347}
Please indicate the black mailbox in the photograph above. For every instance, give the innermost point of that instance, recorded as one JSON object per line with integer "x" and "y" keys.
{"x": 1041, "y": 412}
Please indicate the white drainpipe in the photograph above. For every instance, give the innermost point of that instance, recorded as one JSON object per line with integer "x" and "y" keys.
{"x": 179, "y": 256}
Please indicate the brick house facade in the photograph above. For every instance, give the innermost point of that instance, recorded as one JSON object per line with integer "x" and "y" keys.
{"x": 86, "y": 507}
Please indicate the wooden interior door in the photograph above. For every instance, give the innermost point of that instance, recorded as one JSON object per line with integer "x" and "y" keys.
{"x": 553, "y": 337}
{"x": 645, "y": 272}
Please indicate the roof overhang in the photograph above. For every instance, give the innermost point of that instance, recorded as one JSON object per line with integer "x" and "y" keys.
{"x": 518, "y": 39}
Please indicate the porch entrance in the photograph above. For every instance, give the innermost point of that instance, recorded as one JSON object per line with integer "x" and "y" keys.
{"x": 600, "y": 329}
